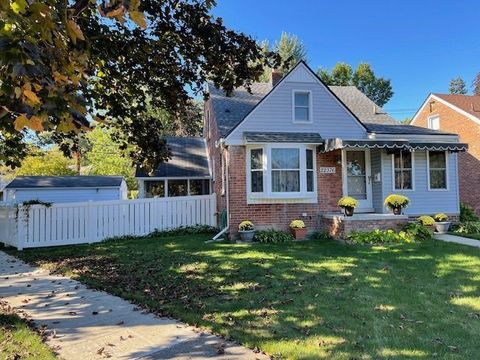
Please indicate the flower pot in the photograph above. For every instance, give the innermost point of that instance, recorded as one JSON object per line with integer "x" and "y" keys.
{"x": 397, "y": 210}
{"x": 299, "y": 234}
{"x": 442, "y": 227}
{"x": 247, "y": 235}
{"x": 348, "y": 211}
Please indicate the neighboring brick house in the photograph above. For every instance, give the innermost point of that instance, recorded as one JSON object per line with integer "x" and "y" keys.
{"x": 458, "y": 114}
{"x": 290, "y": 148}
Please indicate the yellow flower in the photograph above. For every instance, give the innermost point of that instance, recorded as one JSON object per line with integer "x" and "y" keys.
{"x": 440, "y": 217}
{"x": 297, "y": 224}
{"x": 245, "y": 225}
{"x": 426, "y": 220}
{"x": 395, "y": 200}
{"x": 348, "y": 201}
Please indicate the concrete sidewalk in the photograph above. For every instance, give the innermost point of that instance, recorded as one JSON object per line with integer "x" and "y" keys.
{"x": 458, "y": 240}
{"x": 86, "y": 324}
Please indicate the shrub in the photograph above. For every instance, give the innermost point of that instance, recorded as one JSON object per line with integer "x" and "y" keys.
{"x": 468, "y": 227}
{"x": 467, "y": 214}
{"x": 245, "y": 225}
{"x": 297, "y": 224}
{"x": 417, "y": 231}
{"x": 273, "y": 236}
{"x": 185, "y": 230}
{"x": 426, "y": 220}
{"x": 440, "y": 217}
{"x": 347, "y": 201}
{"x": 395, "y": 200}
{"x": 379, "y": 237}
{"x": 320, "y": 235}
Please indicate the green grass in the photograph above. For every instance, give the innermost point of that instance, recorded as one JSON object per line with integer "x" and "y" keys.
{"x": 17, "y": 340}
{"x": 297, "y": 300}
{"x": 471, "y": 236}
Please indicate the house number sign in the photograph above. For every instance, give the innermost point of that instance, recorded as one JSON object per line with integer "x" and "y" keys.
{"x": 328, "y": 170}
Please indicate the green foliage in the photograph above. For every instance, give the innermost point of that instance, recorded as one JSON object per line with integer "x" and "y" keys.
{"x": 185, "y": 230}
{"x": 62, "y": 63}
{"x": 46, "y": 163}
{"x": 378, "y": 89}
{"x": 476, "y": 85}
{"x": 105, "y": 157}
{"x": 417, "y": 231}
{"x": 426, "y": 220}
{"x": 468, "y": 227}
{"x": 380, "y": 237}
{"x": 273, "y": 236}
{"x": 457, "y": 86}
{"x": 37, "y": 202}
{"x": 467, "y": 214}
{"x": 320, "y": 235}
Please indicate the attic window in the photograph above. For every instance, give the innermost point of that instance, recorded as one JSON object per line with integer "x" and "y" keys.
{"x": 302, "y": 106}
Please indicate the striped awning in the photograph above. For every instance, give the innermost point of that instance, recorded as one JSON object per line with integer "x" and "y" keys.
{"x": 392, "y": 145}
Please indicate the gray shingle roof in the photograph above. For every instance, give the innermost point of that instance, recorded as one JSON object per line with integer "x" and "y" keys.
{"x": 231, "y": 110}
{"x": 29, "y": 182}
{"x": 291, "y": 137}
{"x": 189, "y": 159}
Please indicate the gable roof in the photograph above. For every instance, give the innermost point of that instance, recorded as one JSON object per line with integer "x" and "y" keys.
{"x": 189, "y": 159}
{"x": 29, "y": 182}
{"x": 468, "y": 103}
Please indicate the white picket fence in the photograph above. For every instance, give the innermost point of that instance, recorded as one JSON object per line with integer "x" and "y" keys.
{"x": 94, "y": 221}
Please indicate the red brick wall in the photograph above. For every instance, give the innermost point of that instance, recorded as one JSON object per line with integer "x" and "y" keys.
{"x": 469, "y": 162}
{"x": 337, "y": 228}
{"x": 279, "y": 215}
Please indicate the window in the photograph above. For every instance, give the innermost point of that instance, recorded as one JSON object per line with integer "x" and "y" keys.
{"x": 285, "y": 170}
{"x": 277, "y": 171}
{"x": 434, "y": 122}
{"x": 199, "y": 187}
{"x": 403, "y": 173}
{"x": 177, "y": 188}
{"x": 301, "y": 106}
{"x": 154, "y": 189}
{"x": 256, "y": 170}
{"x": 437, "y": 170}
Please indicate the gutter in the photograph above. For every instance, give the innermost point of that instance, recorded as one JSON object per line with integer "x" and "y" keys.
{"x": 221, "y": 144}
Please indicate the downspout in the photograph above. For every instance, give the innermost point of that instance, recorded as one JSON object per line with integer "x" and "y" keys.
{"x": 221, "y": 144}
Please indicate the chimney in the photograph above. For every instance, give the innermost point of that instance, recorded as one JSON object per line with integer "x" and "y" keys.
{"x": 277, "y": 75}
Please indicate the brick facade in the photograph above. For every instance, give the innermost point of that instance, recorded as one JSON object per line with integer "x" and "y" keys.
{"x": 279, "y": 215}
{"x": 338, "y": 227}
{"x": 468, "y": 162}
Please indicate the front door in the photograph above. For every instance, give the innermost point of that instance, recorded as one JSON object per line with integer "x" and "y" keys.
{"x": 357, "y": 179}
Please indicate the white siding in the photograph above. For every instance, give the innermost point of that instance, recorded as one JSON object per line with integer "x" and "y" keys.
{"x": 274, "y": 114}
{"x": 66, "y": 195}
{"x": 424, "y": 201}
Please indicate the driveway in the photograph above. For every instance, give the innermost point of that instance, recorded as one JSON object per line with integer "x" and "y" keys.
{"x": 84, "y": 324}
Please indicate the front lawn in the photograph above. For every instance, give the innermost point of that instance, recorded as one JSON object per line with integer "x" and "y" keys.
{"x": 304, "y": 300}
{"x": 17, "y": 340}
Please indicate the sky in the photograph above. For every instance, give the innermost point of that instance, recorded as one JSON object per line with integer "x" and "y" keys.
{"x": 419, "y": 45}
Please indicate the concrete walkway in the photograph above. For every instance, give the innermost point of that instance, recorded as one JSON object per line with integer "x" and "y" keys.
{"x": 458, "y": 239}
{"x": 84, "y": 324}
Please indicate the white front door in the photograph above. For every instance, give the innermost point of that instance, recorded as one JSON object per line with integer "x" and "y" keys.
{"x": 357, "y": 179}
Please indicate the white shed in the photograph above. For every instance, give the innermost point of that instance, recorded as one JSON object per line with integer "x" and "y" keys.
{"x": 57, "y": 189}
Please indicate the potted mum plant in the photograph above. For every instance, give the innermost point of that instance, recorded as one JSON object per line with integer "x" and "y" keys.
{"x": 246, "y": 230}
{"x": 427, "y": 221}
{"x": 442, "y": 225}
{"x": 396, "y": 203}
{"x": 298, "y": 229}
{"x": 348, "y": 204}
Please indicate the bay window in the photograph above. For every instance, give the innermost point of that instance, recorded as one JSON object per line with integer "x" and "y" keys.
{"x": 437, "y": 170}
{"x": 279, "y": 170}
{"x": 403, "y": 170}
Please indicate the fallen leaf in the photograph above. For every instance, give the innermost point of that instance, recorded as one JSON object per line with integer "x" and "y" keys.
{"x": 138, "y": 18}
{"x": 30, "y": 95}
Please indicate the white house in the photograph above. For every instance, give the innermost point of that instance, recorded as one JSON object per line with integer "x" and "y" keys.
{"x": 66, "y": 188}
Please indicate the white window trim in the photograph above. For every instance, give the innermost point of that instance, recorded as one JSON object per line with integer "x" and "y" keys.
{"x": 413, "y": 174}
{"x": 267, "y": 173}
{"x": 446, "y": 173}
{"x": 430, "y": 119}
{"x": 310, "y": 107}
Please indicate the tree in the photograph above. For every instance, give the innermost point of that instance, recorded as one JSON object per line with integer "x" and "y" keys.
{"x": 290, "y": 50}
{"x": 457, "y": 86}
{"x": 378, "y": 89}
{"x": 105, "y": 158}
{"x": 476, "y": 85}
{"x": 64, "y": 62}
{"x": 46, "y": 163}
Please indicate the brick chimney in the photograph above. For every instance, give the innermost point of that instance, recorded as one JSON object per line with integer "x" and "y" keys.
{"x": 277, "y": 75}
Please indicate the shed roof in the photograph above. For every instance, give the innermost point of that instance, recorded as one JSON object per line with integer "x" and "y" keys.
{"x": 189, "y": 159}
{"x": 29, "y": 182}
